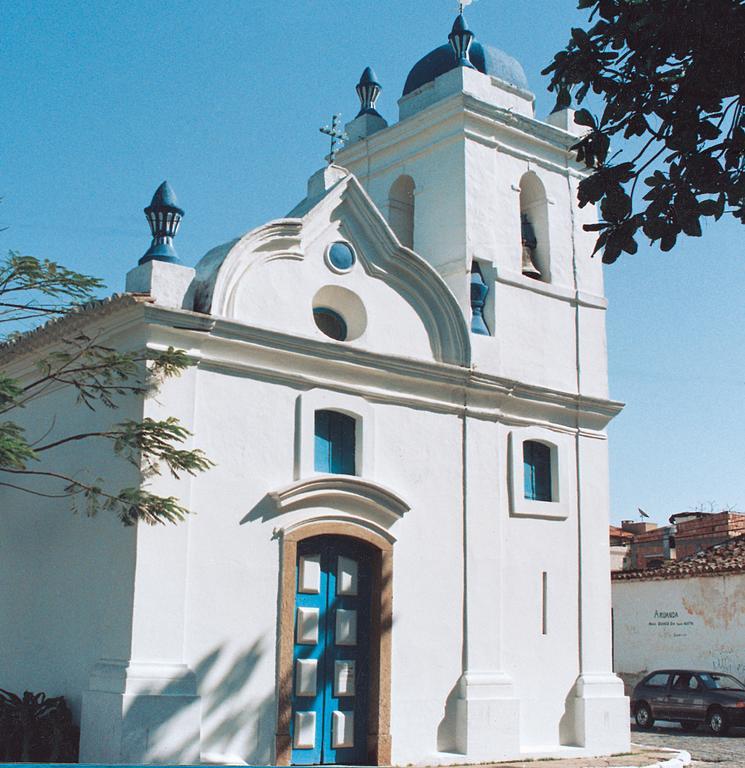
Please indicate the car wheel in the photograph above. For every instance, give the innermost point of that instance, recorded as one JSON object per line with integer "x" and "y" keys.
{"x": 643, "y": 715}
{"x": 689, "y": 725}
{"x": 716, "y": 720}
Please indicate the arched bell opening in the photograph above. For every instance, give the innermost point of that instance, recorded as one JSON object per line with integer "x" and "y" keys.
{"x": 534, "y": 231}
{"x": 334, "y": 649}
{"x": 401, "y": 210}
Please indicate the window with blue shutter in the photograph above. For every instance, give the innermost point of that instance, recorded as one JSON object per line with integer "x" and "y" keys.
{"x": 334, "y": 443}
{"x": 537, "y": 470}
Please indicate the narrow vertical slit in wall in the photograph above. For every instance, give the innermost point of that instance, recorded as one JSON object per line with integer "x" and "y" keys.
{"x": 544, "y": 603}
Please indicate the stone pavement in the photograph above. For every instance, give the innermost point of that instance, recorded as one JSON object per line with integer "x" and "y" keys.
{"x": 707, "y": 751}
{"x": 638, "y": 757}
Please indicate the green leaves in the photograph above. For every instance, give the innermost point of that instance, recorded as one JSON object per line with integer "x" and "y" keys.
{"x": 671, "y": 74}
{"x": 151, "y": 442}
{"x": 15, "y": 452}
{"x": 134, "y": 505}
{"x": 584, "y": 117}
{"x": 98, "y": 375}
{"x": 35, "y": 726}
{"x": 35, "y": 289}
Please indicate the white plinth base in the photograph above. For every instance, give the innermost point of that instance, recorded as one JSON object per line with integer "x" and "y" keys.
{"x": 600, "y": 713}
{"x": 170, "y": 285}
{"x": 487, "y": 718}
{"x": 140, "y": 713}
{"x": 363, "y": 126}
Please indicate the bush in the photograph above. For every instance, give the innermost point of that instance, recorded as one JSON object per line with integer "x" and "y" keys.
{"x": 36, "y": 728}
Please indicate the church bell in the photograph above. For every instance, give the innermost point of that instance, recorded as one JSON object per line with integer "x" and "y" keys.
{"x": 529, "y": 244}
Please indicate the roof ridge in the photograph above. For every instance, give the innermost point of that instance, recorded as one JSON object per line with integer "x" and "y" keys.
{"x": 54, "y": 327}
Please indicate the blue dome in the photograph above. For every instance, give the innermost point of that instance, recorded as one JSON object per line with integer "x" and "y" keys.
{"x": 490, "y": 61}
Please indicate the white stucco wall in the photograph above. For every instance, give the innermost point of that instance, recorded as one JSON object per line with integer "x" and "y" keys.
{"x": 691, "y": 623}
{"x": 66, "y": 579}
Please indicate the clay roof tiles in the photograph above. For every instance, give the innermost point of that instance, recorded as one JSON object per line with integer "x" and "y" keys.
{"x": 728, "y": 557}
{"x": 55, "y": 327}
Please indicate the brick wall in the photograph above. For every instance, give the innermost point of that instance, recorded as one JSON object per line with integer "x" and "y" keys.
{"x": 692, "y": 536}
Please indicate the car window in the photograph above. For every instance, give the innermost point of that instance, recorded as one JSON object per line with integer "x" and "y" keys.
{"x": 658, "y": 680}
{"x": 685, "y": 681}
{"x": 722, "y": 682}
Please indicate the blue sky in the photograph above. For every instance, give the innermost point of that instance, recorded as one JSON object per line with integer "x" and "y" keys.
{"x": 104, "y": 100}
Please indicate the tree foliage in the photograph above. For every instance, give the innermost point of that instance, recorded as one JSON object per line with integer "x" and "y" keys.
{"x": 671, "y": 74}
{"x": 99, "y": 376}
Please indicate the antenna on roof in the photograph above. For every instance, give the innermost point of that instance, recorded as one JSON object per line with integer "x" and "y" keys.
{"x": 642, "y": 513}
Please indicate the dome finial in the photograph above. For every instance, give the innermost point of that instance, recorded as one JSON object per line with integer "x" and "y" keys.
{"x": 164, "y": 216}
{"x": 368, "y": 90}
{"x": 460, "y": 39}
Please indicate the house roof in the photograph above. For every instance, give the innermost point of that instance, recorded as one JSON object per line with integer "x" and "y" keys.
{"x": 57, "y": 326}
{"x": 620, "y": 532}
{"x": 728, "y": 557}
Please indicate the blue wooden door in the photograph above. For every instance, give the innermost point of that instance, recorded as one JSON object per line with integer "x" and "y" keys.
{"x": 332, "y": 652}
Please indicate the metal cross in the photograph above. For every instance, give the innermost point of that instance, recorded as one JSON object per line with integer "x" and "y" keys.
{"x": 336, "y": 136}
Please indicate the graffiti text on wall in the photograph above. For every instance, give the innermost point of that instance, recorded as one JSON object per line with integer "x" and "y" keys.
{"x": 668, "y": 620}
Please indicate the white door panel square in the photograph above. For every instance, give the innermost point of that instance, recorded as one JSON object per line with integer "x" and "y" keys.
{"x": 310, "y": 574}
{"x": 305, "y": 730}
{"x": 344, "y": 678}
{"x": 346, "y": 576}
{"x": 342, "y": 729}
{"x": 307, "y": 625}
{"x": 306, "y": 675}
{"x": 346, "y": 627}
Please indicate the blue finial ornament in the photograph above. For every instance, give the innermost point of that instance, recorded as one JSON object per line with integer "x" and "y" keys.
{"x": 164, "y": 216}
{"x": 460, "y": 39}
{"x": 479, "y": 292}
{"x": 368, "y": 89}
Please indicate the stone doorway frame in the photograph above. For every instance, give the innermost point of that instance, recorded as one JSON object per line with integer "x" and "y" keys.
{"x": 381, "y": 621}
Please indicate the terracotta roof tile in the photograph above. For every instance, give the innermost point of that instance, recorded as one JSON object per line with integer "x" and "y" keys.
{"x": 56, "y": 326}
{"x": 728, "y": 557}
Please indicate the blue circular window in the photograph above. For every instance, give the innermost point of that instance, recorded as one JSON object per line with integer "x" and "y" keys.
{"x": 331, "y": 323}
{"x": 341, "y": 256}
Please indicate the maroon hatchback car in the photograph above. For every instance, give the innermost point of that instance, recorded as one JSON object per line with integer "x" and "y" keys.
{"x": 689, "y": 697}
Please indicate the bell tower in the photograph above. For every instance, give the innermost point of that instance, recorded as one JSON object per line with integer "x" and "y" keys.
{"x": 483, "y": 189}
{"x": 476, "y": 184}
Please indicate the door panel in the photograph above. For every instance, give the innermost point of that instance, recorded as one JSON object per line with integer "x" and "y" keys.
{"x": 332, "y": 652}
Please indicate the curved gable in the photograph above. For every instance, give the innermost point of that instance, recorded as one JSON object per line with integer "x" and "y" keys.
{"x": 391, "y": 301}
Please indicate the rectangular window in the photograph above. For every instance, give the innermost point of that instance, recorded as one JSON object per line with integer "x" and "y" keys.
{"x": 334, "y": 449}
{"x": 537, "y": 471}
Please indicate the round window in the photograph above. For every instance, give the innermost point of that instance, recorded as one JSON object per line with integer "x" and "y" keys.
{"x": 331, "y": 323}
{"x": 340, "y": 257}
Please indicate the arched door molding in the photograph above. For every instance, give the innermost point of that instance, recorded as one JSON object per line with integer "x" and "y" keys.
{"x": 378, "y": 735}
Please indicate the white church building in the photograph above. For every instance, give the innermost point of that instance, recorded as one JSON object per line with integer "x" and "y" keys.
{"x": 401, "y": 554}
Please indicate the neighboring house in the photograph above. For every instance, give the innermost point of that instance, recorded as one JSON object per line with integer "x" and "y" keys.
{"x": 694, "y": 534}
{"x": 650, "y": 546}
{"x": 620, "y": 544}
{"x": 400, "y": 553}
{"x": 686, "y": 614}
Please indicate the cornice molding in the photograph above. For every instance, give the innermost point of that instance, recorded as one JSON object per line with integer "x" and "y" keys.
{"x": 304, "y": 362}
{"x": 347, "y": 492}
{"x": 431, "y": 121}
